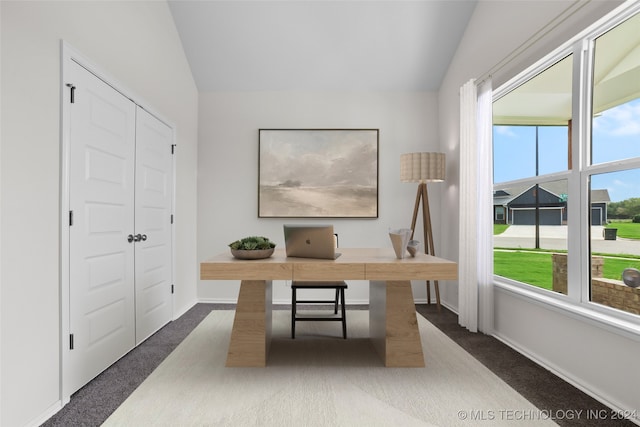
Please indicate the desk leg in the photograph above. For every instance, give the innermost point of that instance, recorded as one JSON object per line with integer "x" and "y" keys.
{"x": 251, "y": 333}
{"x": 393, "y": 325}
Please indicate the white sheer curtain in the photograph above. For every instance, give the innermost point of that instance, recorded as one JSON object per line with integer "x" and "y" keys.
{"x": 476, "y": 208}
{"x": 485, "y": 204}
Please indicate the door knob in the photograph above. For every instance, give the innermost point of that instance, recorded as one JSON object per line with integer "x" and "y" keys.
{"x": 143, "y": 237}
{"x": 130, "y": 238}
{"x": 137, "y": 237}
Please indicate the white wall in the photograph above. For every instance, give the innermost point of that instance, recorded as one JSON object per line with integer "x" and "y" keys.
{"x": 137, "y": 44}
{"x": 228, "y": 168}
{"x": 595, "y": 358}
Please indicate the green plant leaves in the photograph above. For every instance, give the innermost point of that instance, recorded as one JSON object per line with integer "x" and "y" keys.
{"x": 252, "y": 243}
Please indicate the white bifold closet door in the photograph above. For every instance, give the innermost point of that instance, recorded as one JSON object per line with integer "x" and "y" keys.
{"x": 120, "y": 181}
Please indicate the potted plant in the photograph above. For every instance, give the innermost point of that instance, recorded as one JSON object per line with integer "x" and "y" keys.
{"x": 252, "y": 247}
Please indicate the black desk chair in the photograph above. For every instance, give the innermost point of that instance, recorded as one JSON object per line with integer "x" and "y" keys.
{"x": 339, "y": 288}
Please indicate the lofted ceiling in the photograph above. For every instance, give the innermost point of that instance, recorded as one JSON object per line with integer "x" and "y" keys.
{"x": 310, "y": 45}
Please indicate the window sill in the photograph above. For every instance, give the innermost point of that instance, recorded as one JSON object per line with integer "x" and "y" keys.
{"x": 585, "y": 312}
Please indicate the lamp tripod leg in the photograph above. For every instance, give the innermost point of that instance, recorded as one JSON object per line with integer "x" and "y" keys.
{"x": 429, "y": 247}
{"x": 415, "y": 211}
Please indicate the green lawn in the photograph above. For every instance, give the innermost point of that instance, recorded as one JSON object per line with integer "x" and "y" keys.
{"x": 626, "y": 229}
{"x": 499, "y": 228}
{"x": 536, "y": 268}
{"x": 528, "y": 267}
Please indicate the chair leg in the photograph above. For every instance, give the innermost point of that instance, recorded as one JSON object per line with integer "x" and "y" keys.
{"x": 293, "y": 313}
{"x": 344, "y": 316}
{"x": 339, "y": 296}
{"x": 437, "y": 288}
{"x": 428, "y": 292}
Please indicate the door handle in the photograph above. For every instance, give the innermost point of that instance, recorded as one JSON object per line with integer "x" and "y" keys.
{"x": 137, "y": 238}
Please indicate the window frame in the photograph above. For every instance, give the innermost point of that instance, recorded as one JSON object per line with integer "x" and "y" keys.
{"x": 577, "y": 301}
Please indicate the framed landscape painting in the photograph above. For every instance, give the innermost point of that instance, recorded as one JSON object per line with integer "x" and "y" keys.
{"x": 318, "y": 173}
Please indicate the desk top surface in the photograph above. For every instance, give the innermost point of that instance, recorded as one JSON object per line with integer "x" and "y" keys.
{"x": 354, "y": 263}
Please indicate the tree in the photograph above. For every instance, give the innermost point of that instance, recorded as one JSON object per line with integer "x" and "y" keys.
{"x": 624, "y": 209}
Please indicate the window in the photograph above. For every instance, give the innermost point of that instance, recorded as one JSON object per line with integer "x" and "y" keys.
{"x": 530, "y": 150}
{"x": 532, "y": 126}
{"x": 616, "y": 94}
{"x": 567, "y": 177}
{"x": 614, "y": 171}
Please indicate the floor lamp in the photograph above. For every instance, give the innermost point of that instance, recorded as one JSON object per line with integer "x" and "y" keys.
{"x": 423, "y": 168}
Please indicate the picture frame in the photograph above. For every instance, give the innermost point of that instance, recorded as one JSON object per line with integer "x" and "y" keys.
{"x": 318, "y": 173}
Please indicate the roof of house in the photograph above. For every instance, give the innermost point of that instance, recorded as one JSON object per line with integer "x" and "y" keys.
{"x": 504, "y": 196}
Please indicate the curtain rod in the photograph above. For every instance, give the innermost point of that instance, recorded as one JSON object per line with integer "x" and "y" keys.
{"x": 535, "y": 38}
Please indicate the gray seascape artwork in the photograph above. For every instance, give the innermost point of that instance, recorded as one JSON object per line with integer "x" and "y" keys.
{"x": 318, "y": 173}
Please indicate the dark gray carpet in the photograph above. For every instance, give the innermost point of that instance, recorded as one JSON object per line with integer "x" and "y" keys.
{"x": 93, "y": 403}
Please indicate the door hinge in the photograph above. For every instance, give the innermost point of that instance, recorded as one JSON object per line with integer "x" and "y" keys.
{"x": 172, "y": 289}
{"x": 70, "y": 341}
{"x": 171, "y": 218}
{"x": 72, "y": 88}
{"x": 70, "y": 218}
{"x": 173, "y": 148}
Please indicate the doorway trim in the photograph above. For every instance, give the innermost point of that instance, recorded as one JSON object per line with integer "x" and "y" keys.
{"x": 69, "y": 55}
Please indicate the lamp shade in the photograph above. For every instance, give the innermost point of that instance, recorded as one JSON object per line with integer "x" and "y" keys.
{"x": 422, "y": 167}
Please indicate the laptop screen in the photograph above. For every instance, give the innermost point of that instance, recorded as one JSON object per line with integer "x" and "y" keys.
{"x": 310, "y": 241}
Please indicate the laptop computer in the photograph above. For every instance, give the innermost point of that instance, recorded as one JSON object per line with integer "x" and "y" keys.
{"x": 310, "y": 241}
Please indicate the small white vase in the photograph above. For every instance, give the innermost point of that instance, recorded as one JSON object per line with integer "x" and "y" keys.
{"x": 399, "y": 239}
{"x": 413, "y": 246}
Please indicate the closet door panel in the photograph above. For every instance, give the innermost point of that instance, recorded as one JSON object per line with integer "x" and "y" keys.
{"x": 153, "y": 253}
{"x": 101, "y": 197}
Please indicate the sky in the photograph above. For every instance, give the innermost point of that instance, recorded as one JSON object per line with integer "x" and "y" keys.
{"x": 616, "y": 136}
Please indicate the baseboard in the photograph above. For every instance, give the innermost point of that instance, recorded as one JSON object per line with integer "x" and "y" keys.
{"x": 449, "y": 307}
{"x": 48, "y": 413}
{"x": 183, "y": 311}
{"x": 568, "y": 378}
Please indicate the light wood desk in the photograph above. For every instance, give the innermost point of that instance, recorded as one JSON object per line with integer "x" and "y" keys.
{"x": 393, "y": 325}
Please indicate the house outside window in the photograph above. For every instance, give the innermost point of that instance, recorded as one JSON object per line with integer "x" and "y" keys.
{"x": 567, "y": 172}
